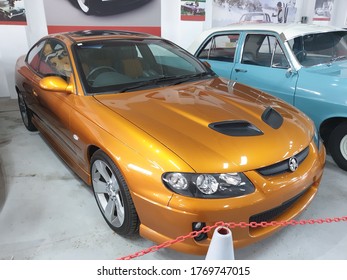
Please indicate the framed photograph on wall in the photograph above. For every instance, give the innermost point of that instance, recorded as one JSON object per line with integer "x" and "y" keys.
{"x": 323, "y": 10}
{"x": 130, "y": 15}
{"x": 193, "y": 10}
{"x": 12, "y": 12}
{"x": 226, "y": 12}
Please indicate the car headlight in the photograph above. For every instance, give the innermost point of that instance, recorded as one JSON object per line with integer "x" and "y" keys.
{"x": 208, "y": 185}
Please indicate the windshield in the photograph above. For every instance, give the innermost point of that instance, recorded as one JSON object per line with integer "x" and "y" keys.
{"x": 314, "y": 49}
{"x": 123, "y": 65}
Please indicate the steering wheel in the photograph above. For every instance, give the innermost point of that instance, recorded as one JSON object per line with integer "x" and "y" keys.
{"x": 99, "y": 70}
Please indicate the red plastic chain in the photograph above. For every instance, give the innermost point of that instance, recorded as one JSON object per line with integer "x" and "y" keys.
{"x": 232, "y": 225}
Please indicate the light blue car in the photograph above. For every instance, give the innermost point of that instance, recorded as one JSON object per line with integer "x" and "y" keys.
{"x": 305, "y": 65}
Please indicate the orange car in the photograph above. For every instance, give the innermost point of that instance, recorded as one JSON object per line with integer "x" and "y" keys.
{"x": 167, "y": 146}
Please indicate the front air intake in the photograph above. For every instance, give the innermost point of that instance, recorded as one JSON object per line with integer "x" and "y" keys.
{"x": 236, "y": 128}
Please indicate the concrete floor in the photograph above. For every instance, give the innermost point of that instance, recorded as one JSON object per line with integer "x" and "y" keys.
{"x": 46, "y": 212}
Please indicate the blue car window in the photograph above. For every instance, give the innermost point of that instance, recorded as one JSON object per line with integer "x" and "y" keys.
{"x": 314, "y": 49}
{"x": 263, "y": 50}
{"x": 220, "y": 48}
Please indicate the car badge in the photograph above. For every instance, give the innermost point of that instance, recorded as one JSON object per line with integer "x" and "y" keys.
{"x": 293, "y": 164}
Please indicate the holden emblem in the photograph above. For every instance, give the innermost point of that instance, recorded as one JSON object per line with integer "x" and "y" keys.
{"x": 293, "y": 164}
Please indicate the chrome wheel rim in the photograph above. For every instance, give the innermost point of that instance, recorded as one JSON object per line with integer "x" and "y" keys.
{"x": 23, "y": 110}
{"x": 84, "y": 4}
{"x": 343, "y": 147}
{"x": 107, "y": 193}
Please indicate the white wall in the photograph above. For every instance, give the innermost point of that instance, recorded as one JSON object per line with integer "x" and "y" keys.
{"x": 16, "y": 40}
{"x": 36, "y": 19}
{"x": 3, "y": 78}
{"x": 339, "y": 13}
{"x": 13, "y": 42}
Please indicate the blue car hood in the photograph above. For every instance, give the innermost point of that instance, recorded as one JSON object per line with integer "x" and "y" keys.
{"x": 337, "y": 69}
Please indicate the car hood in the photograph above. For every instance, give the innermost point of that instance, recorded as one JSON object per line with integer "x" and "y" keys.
{"x": 184, "y": 118}
{"x": 336, "y": 69}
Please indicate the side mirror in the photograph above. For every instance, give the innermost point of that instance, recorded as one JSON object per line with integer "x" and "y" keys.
{"x": 290, "y": 72}
{"x": 55, "y": 83}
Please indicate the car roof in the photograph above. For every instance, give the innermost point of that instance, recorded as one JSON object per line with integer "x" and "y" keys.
{"x": 286, "y": 31}
{"x": 90, "y": 35}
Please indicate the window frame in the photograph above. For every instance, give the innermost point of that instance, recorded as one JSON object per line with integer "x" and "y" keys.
{"x": 213, "y": 45}
{"x": 272, "y": 50}
{"x": 44, "y": 42}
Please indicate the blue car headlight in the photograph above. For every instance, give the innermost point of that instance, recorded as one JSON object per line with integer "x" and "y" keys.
{"x": 208, "y": 185}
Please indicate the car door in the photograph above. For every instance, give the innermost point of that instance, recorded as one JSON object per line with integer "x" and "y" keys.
{"x": 263, "y": 64}
{"x": 220, "y": 52}
{"x": 51, "y": 109}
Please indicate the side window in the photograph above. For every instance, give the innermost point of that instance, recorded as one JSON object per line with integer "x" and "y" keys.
{"x": 279, "y": 59}
{"x": 33, "y": 58}
{"x": 50, "y": 58}
{"x": 55, "y": 60}
{"x": 263, "y": 50}
{"x": 220, "y": 47}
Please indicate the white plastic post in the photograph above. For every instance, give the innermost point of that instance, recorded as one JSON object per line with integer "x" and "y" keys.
{"x": 221, "y": 246}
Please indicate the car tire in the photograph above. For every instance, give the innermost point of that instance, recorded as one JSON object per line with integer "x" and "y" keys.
{"x": 338, "y": 145}
{"x": 87, "y": 6}
{"x": 26, "y": 114}
{"x": 112, "y": 195}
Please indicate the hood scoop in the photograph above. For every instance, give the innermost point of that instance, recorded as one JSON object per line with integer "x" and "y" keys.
{"x": 272, "y": 118}
{"x": 235, "y": 128}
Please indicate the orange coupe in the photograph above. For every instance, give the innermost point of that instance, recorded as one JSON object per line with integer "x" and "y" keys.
{"x": 167, "y": 146}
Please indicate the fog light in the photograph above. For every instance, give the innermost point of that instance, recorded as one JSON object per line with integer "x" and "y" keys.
{"x": 197, "y": 226}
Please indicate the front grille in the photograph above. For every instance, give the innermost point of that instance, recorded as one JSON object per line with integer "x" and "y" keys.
{"x": 271, "y": 214}
{"x": 283, "y": 166}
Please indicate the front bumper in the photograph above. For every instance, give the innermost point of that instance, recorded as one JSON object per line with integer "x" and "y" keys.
{"x": 277, "y": 198}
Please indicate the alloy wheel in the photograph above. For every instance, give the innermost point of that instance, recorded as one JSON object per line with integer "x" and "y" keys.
{"x": 107, "y": 193}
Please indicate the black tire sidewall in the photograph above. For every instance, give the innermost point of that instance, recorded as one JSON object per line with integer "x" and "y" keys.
{"x": 30, "y": 126}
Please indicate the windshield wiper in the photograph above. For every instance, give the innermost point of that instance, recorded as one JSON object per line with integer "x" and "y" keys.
{"x": 337, "y": 58}
{"x": 136, "y": 86}
{"x": 174, "y": 80}
{"x": 151, "y": 82}
{"x": 186, "y": 78}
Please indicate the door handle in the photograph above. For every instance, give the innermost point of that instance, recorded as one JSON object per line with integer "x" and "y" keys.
{"x": 240, "y": 70}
